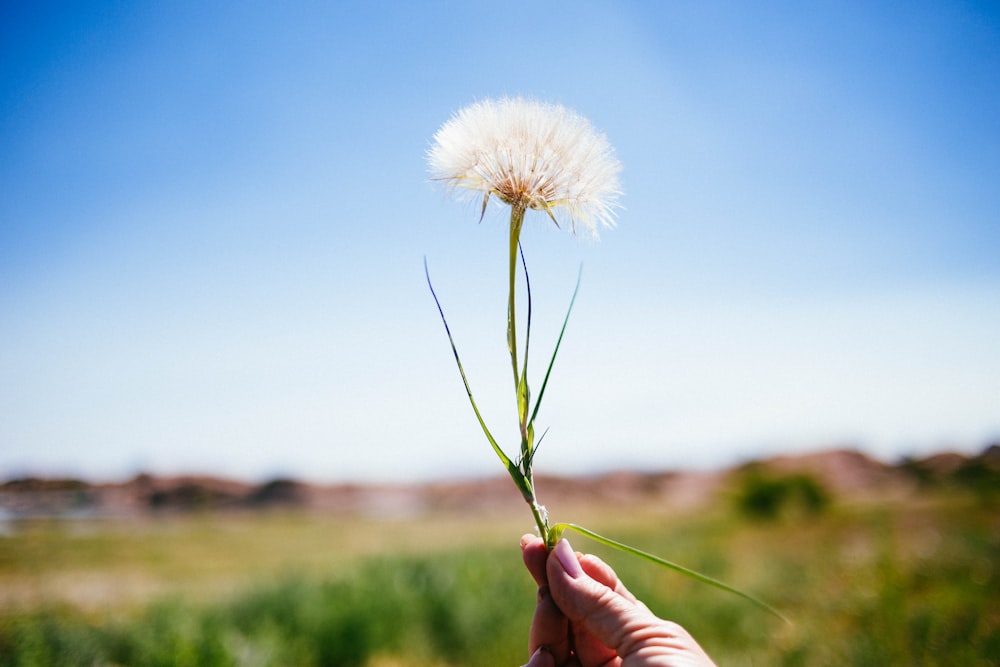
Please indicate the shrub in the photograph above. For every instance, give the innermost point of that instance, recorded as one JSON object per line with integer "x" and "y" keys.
{"x": 765, "y": 496}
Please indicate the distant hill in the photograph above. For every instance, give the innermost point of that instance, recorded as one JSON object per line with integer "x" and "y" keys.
{"x": 844, "y": 474}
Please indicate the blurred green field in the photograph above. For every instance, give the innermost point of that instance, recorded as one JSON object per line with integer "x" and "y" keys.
{"x": 914, "y": 582}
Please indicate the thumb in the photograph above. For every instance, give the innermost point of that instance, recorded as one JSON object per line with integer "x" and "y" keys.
{"x": 614, "y": 620}
{"x": 541, "y": 658}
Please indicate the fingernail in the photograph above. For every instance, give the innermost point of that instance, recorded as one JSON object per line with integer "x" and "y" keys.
{"x": 567, "y": 558}
{"x": 540, "y": 658}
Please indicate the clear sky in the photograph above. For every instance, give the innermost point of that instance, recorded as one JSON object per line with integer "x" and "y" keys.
{"x": 214, "y": 217}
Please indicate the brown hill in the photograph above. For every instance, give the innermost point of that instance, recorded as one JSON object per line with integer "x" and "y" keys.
{"x": 842, "y": 473}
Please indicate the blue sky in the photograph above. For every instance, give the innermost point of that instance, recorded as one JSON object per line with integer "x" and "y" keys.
{"x": 214, "y": 216}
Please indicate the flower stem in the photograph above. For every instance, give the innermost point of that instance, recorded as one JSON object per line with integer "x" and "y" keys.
{"x": 541, "y": 520}
{"x": 517, "y": 212}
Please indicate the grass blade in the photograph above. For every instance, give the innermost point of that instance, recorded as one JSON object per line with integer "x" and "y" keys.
{"x": 557, "y": 530}
{"x": 527, "y": 325}
{"x": 489, "y": 436}
{"x": 552, "y": 361}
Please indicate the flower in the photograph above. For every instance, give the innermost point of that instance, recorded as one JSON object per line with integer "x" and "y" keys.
{"x": 530, "y": 155}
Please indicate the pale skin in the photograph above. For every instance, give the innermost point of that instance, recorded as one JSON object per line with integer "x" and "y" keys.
{"x": 587, "y": 618}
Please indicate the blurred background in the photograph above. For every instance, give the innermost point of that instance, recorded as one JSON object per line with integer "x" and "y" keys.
{"x": 213, "y": 219}
{"x": 231, "y": 427}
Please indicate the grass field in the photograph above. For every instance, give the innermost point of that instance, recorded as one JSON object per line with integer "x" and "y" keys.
{"x": 913, "y": 582}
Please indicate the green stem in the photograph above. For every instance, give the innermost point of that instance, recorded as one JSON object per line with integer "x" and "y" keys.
{"x": 541, "y": 520}
{"x": 517, "y": 212}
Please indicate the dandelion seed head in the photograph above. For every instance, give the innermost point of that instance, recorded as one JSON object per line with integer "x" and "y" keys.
{"x": 533, "y": 155}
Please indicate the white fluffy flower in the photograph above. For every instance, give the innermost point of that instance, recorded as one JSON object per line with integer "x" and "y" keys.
{"x": 530, "y": 155}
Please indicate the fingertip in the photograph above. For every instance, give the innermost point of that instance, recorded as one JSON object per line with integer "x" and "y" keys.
{"x": 534, "y": 555}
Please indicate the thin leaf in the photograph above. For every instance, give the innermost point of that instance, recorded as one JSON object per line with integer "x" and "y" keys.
{"x": 489, "y": 436}
{"x": 527, "y": 328}
{"x": 552, "y": 361}
{"x": 556, "y": 532}
{"x": 523, "y": 391}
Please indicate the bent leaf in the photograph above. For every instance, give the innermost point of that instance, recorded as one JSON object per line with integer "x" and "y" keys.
{"x": 556, "y": 531}
{"x": 511, "y": 468}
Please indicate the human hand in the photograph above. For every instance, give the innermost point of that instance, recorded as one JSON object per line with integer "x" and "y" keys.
{"x": 587, "y": 618}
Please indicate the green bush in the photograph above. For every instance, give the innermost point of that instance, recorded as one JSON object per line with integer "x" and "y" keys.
{"x": 765, "y": 496}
